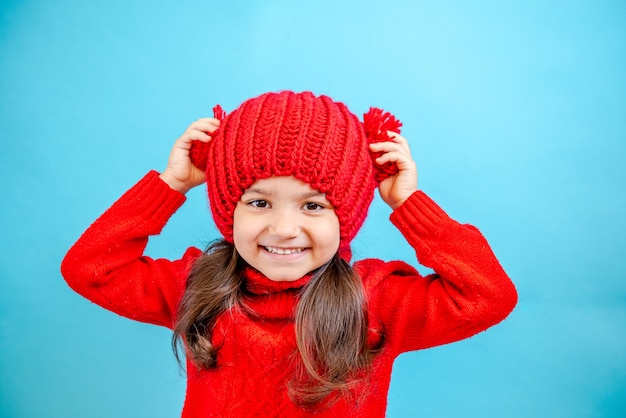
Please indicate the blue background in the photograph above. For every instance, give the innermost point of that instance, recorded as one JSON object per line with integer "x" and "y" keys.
{"x": 516, "y": 115}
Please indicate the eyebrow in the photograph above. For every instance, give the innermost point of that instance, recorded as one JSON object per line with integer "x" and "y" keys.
{"x": 265, "y": 192}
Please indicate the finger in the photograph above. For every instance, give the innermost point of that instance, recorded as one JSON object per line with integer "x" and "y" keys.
{"x": 208, "y": 120}
{"x": 202, "y": 136}
{"x": 205, "y": 125}
{"x": 396, "y": 137}
{"x": 399, "y": 158}
{"x": 385, "y": 147}
{"x": 195, "y": 135}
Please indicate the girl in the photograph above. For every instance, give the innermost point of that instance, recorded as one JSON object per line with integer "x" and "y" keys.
{"x": 274, "y": 320}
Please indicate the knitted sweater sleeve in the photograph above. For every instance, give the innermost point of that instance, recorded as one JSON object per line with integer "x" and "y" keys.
{"x": 107, "y": 266}
{"x": 467, "y": 293}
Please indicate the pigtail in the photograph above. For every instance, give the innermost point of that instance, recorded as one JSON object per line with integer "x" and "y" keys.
{"x": 332, "y": 336}
{"x": 213, "y": 286}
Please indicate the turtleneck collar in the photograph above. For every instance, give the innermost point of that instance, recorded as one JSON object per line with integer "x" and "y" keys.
{"x": 271, "y": 299}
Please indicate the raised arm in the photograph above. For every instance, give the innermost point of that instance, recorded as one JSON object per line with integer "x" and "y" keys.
{"x": 107, "y": 265}
{"x": 468, "y": 292}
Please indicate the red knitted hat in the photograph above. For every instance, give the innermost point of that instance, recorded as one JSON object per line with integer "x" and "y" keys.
{"x": 314, "y": 139}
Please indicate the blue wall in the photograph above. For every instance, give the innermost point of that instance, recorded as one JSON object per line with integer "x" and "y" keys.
{"x": 517, "y": 118}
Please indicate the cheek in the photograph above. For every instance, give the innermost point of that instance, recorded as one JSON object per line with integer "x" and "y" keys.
{"x": 241, "y": 228}
{"x": 244, "y": 237}
{"x": 331, "y": 235}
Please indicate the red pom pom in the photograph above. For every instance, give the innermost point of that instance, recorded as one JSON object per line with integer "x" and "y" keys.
{"x": 199, "y": 150}
{"x": 377, "y": 123}
{"x": 218, "y": 112}
{"x": 198, "y": 154}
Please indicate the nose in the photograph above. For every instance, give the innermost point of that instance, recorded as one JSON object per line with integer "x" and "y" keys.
{"x": 284, "y": 225}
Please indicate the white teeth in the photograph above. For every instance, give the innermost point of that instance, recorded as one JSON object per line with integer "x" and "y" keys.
{"x": 284, "y": 251}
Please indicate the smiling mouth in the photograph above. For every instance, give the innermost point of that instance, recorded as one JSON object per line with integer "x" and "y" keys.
{"x": 283, "y": 251}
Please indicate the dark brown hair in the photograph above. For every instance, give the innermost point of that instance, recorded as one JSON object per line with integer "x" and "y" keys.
{"x": 330, "y": 322}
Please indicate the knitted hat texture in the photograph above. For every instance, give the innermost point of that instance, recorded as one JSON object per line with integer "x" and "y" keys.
{"x": 313, "y": 138}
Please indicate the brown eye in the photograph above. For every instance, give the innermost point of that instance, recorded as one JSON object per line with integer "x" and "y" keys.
{"x": 259, "y": 203}
{"x": 313, "y": 207}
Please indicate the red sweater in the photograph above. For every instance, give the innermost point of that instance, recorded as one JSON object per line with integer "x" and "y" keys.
{"x": 468, "y": 293}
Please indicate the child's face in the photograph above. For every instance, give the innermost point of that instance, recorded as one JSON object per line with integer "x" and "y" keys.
{"x": 284, "y": 228}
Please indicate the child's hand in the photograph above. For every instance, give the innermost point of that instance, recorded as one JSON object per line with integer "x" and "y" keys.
{"x": 396, "y": 189}
{"x": 180, "y": 174}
